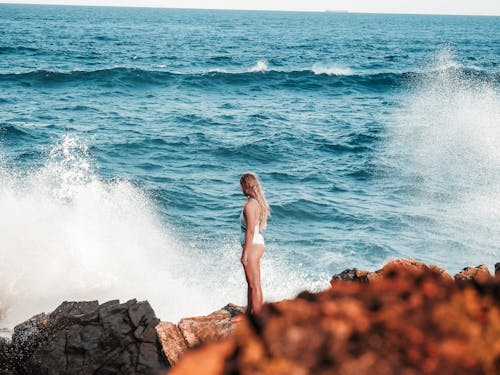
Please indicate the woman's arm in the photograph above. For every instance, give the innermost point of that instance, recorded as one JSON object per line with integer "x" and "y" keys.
{"x": 251, "y": 212}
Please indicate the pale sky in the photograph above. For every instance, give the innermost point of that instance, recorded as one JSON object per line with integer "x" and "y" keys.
{"x": 472, "y": 7}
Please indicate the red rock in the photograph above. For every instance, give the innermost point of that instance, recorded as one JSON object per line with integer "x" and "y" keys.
{"x": 172, "y": 341}
{"x": 480, "y": 274}
{"x": 409, "y": 266}
{"x": 191, "y": 332}
{"x": 409, "y": 319}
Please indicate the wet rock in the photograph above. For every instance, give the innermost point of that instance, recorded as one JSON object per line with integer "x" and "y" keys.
{"x": 85, "y": 337}
{"x": 191, "y": 332}
{"x": 479, "y": 274}
{"x": 411, "y": 319}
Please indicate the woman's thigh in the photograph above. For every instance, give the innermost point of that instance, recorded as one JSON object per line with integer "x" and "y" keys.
{"x": 252, "y": 268}
{"x": 255, "y": 253}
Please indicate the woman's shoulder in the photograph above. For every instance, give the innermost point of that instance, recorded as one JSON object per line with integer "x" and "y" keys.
{"x": 252, "y": 204}
{"x": 252, "y": 201}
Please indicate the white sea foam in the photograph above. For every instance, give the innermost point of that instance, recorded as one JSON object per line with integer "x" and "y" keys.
{"x": 331, "y": 69}
{"x": 260, "y": 66}
{"x": 446, "y": 138}
{"x": 68, "y": 235}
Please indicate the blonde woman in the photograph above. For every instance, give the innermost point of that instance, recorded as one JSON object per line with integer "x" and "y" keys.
{"x": 253, "y": 219}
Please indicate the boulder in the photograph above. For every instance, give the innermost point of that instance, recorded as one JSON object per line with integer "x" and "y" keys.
{"x": 408, "y": 266}
{"x": 479, "y": 274}
{"x": 85, "y": 337}
{"x": 413, "y": 320}
{"x": 191, "y": 332}
{"x": 351, "y": 274}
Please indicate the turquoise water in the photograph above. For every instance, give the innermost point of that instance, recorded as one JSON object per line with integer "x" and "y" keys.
{"x": 123, "y": 133}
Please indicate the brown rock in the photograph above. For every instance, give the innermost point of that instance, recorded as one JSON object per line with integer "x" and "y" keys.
{"x": 205, "y": 328}
{"x": 191, "y": 332}
{"x": 480, "y": 274}
{"x": 408, "y": 266}
{"x": 412, "y": 267}
{"x": 172, "y": 341}
{"x": 409, "y": 320}
{"x": 208, "y": 360}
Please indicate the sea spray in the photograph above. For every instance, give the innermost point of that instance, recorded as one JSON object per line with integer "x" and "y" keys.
{"x": 69, "y": 235}
{"x": 260, "y": 66}
{"x": 444, "y": 144}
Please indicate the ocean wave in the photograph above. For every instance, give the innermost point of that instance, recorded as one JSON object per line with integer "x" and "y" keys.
{"x": 135, "y": 77}
{"x": 98, "y": 236}
{"x": 336, "y": 70}
{"x": 260, "y": 66}
{"x": 16, "y": 49}
{"x": 11, "y": 130}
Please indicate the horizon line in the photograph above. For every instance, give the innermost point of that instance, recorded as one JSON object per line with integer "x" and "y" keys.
{"x": 253, "y": 10}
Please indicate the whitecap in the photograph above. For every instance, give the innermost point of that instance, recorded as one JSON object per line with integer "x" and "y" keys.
{"x": 331, "y": 69}
{"x": 260, "y": 66}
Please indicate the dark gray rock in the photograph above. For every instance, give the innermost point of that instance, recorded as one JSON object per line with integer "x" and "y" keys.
{"x": 86, "y": 338}
{"x": 351, "y": 274}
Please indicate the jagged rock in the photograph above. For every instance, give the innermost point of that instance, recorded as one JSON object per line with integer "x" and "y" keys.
{"x": 85, "y": 338}
{"x": 412, "y": 267}
{"x": 412, "y": 320}
{"x": 480, "y": 274}
{"x": 191, "y": 332}
{"x": 173, "y": 342}
{"x": 409, "y": 265}
{"x": 351, "y": 274}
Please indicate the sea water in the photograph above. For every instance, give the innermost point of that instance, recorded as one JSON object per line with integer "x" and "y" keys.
{"x": 124, "y": 131}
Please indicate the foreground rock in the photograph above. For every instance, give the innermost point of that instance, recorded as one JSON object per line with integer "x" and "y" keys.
{"x": 86, "y": 338}
{"x": 191, "y": 332}
{"x": 407, "y": 318}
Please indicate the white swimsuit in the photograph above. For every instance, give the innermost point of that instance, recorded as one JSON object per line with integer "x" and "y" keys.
{"x": 257, "y": 237}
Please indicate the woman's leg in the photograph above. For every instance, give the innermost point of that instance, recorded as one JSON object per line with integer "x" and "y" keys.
{"x": 252, "y": 274}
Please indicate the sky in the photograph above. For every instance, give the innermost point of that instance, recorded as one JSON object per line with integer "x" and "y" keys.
{"x": 472, "y": 7}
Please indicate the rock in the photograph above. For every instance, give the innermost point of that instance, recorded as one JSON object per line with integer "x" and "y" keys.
{"x": 497, "y": 270}
{"x": 479, "y": 274}
{"x": 191, "y": 332}
{"x": 410, "y": 320}
{"x": 409, "y": 266}
{"x": 173, "y": 342}
{"x": 85, "y": 337}
{"x": 351, "y": 274}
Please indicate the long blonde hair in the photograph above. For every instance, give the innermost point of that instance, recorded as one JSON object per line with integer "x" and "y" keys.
{"x": 254, "y": 189}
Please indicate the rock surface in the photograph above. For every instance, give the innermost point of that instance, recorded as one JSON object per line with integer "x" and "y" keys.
{"x": 409, "y": 265}
{"x": 86, "y": 338}
{"x": 480, "y": 274}
{"x": 408, "y": 319}
{"x": 191, "y": 332}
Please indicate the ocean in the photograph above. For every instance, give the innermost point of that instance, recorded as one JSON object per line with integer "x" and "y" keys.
{"x": 124, "y": 131}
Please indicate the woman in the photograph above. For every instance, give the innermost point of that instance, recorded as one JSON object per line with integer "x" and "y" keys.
{"x": 253, "y": 219}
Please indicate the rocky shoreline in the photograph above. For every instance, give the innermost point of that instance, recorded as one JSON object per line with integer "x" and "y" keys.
{"x": 406, "y": 318}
